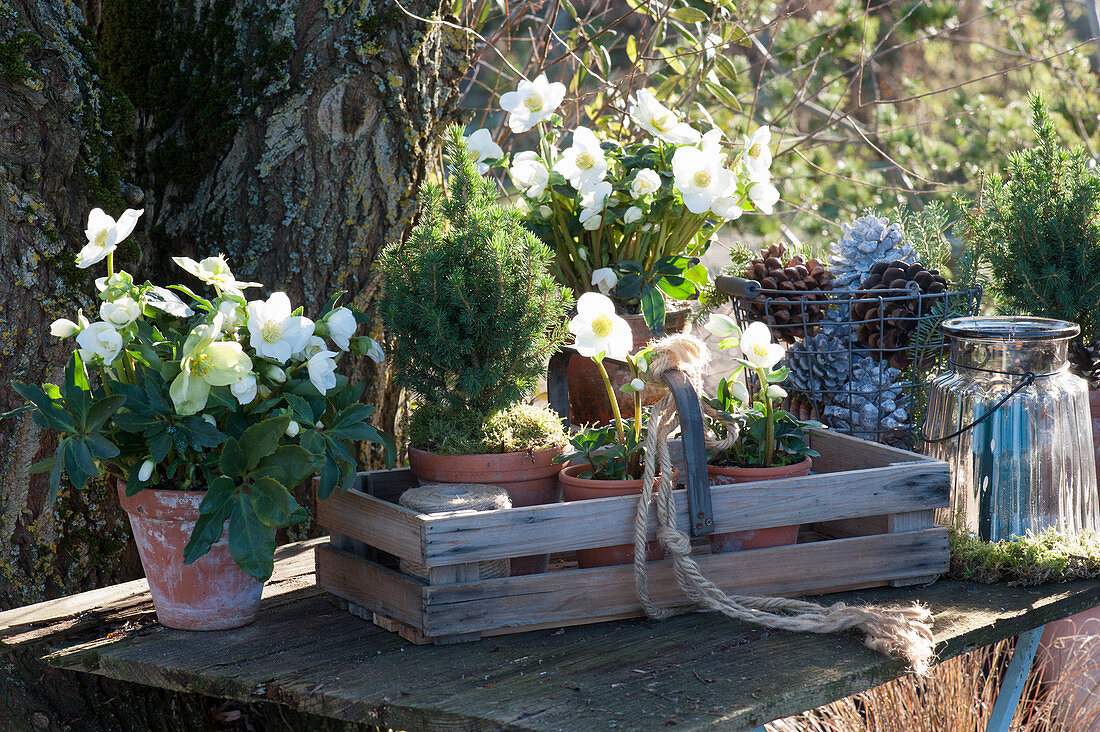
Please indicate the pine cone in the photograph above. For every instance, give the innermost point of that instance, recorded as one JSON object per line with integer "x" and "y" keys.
{"x": 1084, "y": 359}
{"x": 802, "y": 407}
{"x": 788, "y": 315}
{"x": 866, "y": 241}
{"x": 873, "y": 404}
{"x": 887, "y": 320}
{"x": 819, "y": 366}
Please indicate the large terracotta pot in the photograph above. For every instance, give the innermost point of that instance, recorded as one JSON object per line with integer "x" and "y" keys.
{"x": 213, "y": 593}
{"x": 736, "y": 541}
{"x": 588, "y": 403}
{"x": 530, "y": 478}
{"x": 583, "y": 489}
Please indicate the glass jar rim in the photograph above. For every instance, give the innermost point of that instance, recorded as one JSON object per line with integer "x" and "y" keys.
{"x": 1010, "y": 328}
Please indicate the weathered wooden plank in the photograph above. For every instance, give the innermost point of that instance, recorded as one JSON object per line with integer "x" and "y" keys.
{"x": 912, "y": 521}
{"x": 77, "y": 613}
{"x": 365, "y": 583}
{"x": 697, "y": 671}
{"x": 373, "y": 521}
{"x": 476, "y": 536}
{"x": 609, "y": 591}
{"x": 843, "y": 452}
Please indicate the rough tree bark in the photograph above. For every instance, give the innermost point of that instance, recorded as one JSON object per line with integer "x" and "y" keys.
{"x": 289, "y": 135}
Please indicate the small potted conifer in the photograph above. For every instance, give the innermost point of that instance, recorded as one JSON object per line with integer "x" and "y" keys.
{"x": 472, "y": 313}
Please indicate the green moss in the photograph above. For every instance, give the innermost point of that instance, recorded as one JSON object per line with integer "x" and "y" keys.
{"x": 1030, "y": 560}
{"x": 460, "y": 432}
{"x": 15, "y": 41}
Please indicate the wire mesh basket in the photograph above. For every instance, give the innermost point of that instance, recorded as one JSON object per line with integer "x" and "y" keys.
{"x": 861, "y": 361}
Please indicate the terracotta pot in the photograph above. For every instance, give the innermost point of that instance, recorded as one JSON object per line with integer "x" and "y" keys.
{"x": 213, "y": 593}
{"x": 736, "y": 541}
{"x": 583, "y": 489}
{"x": 588, "y": 402}
{"x": 530, "y": 478}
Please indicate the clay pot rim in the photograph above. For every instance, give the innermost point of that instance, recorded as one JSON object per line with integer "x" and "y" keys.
{"x": 185, "y": 505}
{"x": 806, "y": 461}
{"x": 554, "y": 450}
{"x": 567, "y": 476}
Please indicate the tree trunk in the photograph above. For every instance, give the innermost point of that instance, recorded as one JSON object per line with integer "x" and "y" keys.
{"x": 291, "y": 136}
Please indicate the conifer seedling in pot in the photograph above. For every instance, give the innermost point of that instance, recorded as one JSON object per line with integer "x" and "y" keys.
{"x": 472, "y": 313}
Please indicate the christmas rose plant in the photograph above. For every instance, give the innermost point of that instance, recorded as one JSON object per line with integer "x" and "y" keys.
{"x": 769, "y": 436}
{"x": 240, "y": 397}
{"x": 613, "y": 451}
{"x": 629, "y": 207}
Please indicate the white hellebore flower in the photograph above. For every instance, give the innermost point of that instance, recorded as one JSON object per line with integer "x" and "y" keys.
{"x": 721, "y": 326}
{"x": 637, "y": 384}
{"x": 739, "y": 391}
{"x": 245, "y": 389}
{"x": 764, "y": 196}
{"x": 597, "y": 330}
{"x": 481, "y": 144}
{"x": 293, "y": 429}
{"x": 529, "y": 174}
{"x": 605, "y": 279}
{"x": 99, "y": 339}
{"x": 121, "y": 312}
{"x": 341, "y": 327}
{"x": 375, "y": 352}
{"x": 167, "y": 301}
{"x": 275, "y": 333}
{"x": 322, "y": 370}
{"x": 758, "y": 154}
{"x": 104, "y": 234}
{"x": 700, "y": 177}
{"x": 532, "y": 102}
{"x": 775, "y": 391}
{"x": 206, "y": 362}
{"x": 232, "y": 312}
{"x": 314, "y": 345}
{"x": 632, "y": 214}
{"x": 583, "y": 164}
{"x": 214, "y": 271}
{"x": 146, "y": 470}
{"x": 63, "y": 328}
{"x": 593, "y": 200}
{"x": 660, "y": 121}
{"x": 757, "y": 346}
{"x": 646, "y": 181}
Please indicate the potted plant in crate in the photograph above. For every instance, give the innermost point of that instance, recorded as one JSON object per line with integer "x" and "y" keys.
{"x": 607, "y": 460}
{"x": 206, "y": 415}
{"x": 629, "y": 208}
{"x": 471, "y": 314}
{"x": 771, "y": 442}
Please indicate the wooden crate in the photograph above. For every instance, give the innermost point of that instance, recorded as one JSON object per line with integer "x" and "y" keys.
{"x": 870, "y": 508}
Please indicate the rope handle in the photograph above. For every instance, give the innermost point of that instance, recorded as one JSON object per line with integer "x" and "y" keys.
{"x": 1028, "y": 380}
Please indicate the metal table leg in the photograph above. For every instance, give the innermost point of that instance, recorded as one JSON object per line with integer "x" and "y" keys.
{"x": 1008, "y": 696}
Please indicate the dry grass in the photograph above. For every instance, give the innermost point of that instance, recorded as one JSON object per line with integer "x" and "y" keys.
{"x": 958, "y": 696}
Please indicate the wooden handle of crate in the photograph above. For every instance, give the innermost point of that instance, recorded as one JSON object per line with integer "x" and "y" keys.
{"x": 692, "y": 432}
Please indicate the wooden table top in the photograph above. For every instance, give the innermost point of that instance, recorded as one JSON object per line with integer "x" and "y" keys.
{"x": 693, "y": 671}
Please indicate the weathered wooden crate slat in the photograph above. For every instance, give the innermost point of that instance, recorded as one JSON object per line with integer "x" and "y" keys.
{"x": 877, "y": 501}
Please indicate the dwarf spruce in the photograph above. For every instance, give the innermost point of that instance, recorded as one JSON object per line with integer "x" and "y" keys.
{"x": 470, "y": 309}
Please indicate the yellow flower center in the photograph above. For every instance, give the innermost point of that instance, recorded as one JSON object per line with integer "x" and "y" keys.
{"x": 585, "y": 161}
{"x": 272, "y": 332}
{"x": 759, "y": 350}
{"x": 602, "y": 326}
{"x": 199, "y": 365}
{"x": 755, "y": 151}
{"x": 101, "y": 237}
{"x": 701, "y": 179}
{"x": 661, "y": 121}
{"x": 533, "y": 102}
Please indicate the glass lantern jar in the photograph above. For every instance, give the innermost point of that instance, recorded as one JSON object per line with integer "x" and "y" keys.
{"x": 1013, "y": 423}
